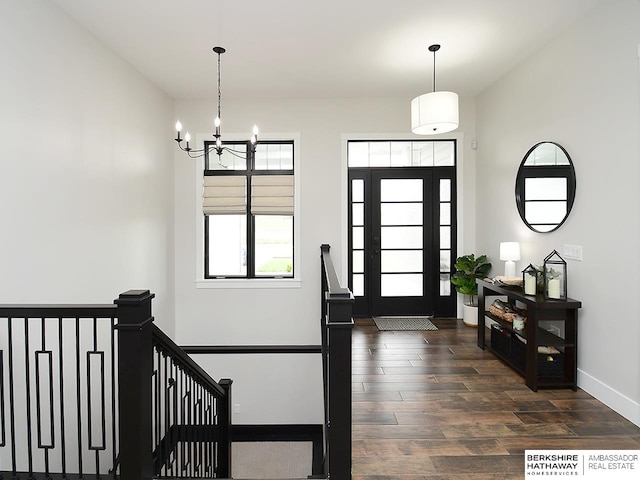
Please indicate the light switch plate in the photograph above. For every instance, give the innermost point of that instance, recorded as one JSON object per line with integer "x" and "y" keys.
{"x": 573, "y": 252}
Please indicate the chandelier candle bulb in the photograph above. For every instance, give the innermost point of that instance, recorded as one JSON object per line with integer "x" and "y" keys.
{"x": 178, "y": 129}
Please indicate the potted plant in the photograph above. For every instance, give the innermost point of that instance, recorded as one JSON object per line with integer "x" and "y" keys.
{"x": 468, "y": 269}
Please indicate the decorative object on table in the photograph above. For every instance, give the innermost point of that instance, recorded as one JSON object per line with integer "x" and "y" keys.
{"x": 510, "y": 252}
{"x": 469, "y": 268}
{"x": 555, "y": 277}
{"x": 508, "y": 281}
{"x": 530, "y": 280}
{"x": 508, "y": 312}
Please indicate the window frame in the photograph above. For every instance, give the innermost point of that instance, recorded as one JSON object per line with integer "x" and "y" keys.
{"x": 250, "y": 280}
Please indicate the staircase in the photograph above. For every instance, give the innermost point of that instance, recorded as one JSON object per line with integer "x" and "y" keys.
{"x": 99, "y": 391}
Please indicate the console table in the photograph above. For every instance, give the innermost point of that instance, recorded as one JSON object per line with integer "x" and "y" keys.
{"x": 519, "y": 348}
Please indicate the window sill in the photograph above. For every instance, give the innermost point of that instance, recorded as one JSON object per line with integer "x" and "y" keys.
{"x": 246, "y": 283}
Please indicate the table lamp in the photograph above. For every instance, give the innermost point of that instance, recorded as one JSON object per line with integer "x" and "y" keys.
{"x": 510, "y": 252}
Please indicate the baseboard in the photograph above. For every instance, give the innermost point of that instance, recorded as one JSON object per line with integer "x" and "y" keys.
{"x": 615, "y": 400}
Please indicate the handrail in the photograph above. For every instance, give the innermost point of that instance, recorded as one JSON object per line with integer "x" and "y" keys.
{"x": 39, "y": 311}
{"x": 183, "y": 360}
{"x": 333, "y": 284}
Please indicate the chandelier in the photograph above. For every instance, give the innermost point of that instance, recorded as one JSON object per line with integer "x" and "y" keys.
{"x": 218, "y": 146}
{"x": 435, "y": 112}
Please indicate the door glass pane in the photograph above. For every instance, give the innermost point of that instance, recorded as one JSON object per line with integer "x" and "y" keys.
{"x": 401, "y": 214}
{"x": 274, "y": 245}
{"x": 443, "y": 154}
{"x": 358, "y": 238}
{"x": 357, "y": 216}
{"x": 357, "y": 190}
{"x": 445, "y": 214}
{"x": 423, "y": 154}
{"x": 445, "y": 237}
{"x": 400, "y": 237}
{"x": 358, "y": 154}
{"x": 445, "y": 285}
{"x": 380, "y": 154}
{"x": 401, "y": 285}
{"x": 445, "y": 260}
{"x": 400, "y": 154}
{"x": 401, "y": 261}
{"x": 228, "y": 252}
{"x": 358, "y": 285}
{"x": 358, "y": 261}
{"x": 401, "y": 190}
{"x": 445, "y": 190}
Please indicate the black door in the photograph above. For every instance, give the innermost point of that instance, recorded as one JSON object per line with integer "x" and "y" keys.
{"x": 401, "y": 240}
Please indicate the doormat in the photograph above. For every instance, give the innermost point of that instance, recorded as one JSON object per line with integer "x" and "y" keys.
{"x": 404, "y": 323}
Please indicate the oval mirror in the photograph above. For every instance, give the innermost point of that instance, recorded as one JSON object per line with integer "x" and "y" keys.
{"x": 545, "y": 187}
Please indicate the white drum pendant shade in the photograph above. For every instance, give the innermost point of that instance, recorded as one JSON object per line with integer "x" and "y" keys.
{"x": 435, "y": 112}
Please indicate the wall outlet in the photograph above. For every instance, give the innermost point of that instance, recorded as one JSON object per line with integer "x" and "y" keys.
{"x": 236, "y": 408}
{"x": 573, "y": 252}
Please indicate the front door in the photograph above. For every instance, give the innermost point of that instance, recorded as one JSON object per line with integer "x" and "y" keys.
{"x": 400, "y": 240}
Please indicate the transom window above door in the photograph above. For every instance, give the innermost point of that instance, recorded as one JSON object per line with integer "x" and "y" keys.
{"x": 385, "y": 153}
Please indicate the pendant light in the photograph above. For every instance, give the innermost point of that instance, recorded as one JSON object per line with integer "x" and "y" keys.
{"x": 435, "y": 112}
{"x": 218, "y": 147}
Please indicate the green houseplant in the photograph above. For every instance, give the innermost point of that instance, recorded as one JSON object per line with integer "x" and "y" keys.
{"x": 468, "y": 269}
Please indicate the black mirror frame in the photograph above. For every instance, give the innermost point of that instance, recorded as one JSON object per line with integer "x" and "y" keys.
{"x": 567, "y": 171}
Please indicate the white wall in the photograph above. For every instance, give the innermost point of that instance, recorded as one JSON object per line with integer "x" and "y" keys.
{"x": 86, "y": 187}
{"x": 581, "y": 91}
{"x": 280, "y": 316}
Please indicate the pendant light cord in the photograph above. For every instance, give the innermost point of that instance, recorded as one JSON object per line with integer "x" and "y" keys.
{"x": 434, "y": 70}
{"x": 219, "y": 91}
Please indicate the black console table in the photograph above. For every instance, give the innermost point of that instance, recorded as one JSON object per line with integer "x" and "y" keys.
{"x": 519, "y": 348}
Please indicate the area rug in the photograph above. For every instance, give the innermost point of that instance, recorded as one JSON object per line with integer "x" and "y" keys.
{"x": 271, "y": 460}
{"x": 404, "y": 323}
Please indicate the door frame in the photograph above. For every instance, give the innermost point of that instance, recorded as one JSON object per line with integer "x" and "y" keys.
{"x": 457, "y": 238}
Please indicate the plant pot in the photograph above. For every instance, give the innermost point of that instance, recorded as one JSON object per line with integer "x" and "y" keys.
{"x": 470, "y": 315}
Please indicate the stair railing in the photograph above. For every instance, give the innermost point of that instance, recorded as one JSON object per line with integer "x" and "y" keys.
{"x": 98, "y": 391}
{"x": 336, "y": 325}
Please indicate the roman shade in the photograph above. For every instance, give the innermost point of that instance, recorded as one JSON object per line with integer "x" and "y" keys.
{"x": 272, "y": 194}
{"x": 225, "y": 195}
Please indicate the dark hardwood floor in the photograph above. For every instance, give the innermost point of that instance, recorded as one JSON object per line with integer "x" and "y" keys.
{"x": 432, "y": 405}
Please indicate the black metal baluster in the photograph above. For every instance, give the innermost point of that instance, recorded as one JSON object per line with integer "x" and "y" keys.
{"x": 28, "y": 392}
{"x": 12, "y": 417}
{"x": 3, "y": 433}
{"x": 78, "y": 402}
{"x": 63, "y": 450}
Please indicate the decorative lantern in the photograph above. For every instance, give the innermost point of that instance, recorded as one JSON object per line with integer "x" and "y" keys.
{"x": 530, "y": 280}
{"x": 555, "y": 277}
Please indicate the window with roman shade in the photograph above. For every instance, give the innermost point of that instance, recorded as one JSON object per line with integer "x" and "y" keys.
{"x": 248, "y": 206}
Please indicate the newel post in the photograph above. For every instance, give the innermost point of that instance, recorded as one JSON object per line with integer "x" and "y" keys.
{"x": 224, "y": 424}
{"x": 135, "y": 367}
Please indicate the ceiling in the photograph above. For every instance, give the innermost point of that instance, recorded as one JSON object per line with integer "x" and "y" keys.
{"x": 324, "y": 48}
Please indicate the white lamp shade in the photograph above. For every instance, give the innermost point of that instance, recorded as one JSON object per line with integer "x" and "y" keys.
{"x": 509, "y": 251}
{"x": 435, "y": 112}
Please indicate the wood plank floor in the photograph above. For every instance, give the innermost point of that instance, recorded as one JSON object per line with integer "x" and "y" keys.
{"x": 432, "y": 405}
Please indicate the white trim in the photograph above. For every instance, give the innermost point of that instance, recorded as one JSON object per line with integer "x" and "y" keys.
{"x": 625, "y": 406}
{"x": 345, "y": 137}
{"x": 249, "y": 283}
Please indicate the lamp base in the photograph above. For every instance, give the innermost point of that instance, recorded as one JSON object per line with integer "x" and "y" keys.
{"x": 509, "y": 268}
